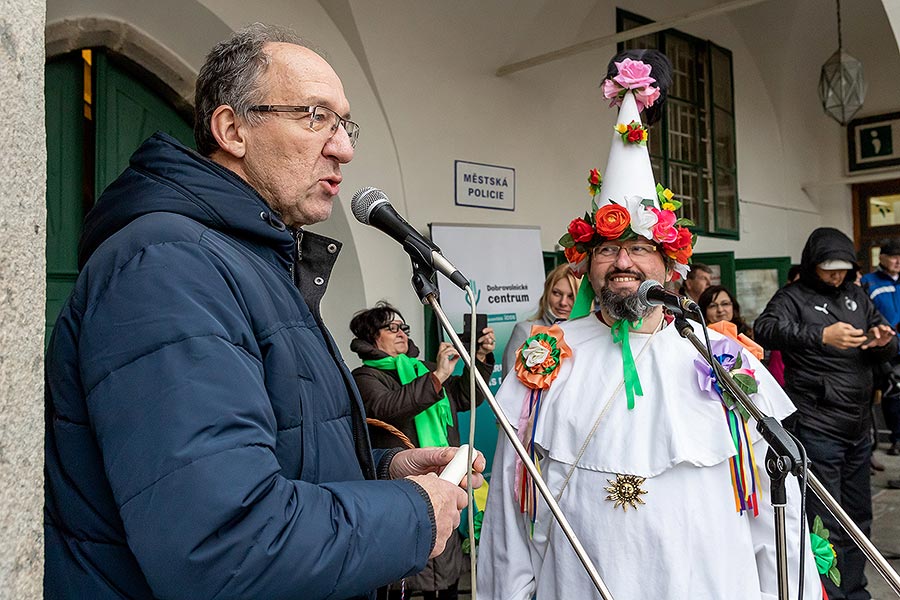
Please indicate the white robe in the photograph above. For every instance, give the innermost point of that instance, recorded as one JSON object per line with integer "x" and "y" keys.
{"x": 687, "y": 542}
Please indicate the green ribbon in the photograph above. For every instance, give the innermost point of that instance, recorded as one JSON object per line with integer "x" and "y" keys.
{"x": 823, "y": 553}
{"x": 431, "y": 423}
{"x": 584, "y": 300}
{"x": 632, "y": 380}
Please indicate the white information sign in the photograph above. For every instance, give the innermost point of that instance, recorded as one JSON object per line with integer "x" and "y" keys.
{"x": 505, "y": 268}
{"x": 485, "y": 186}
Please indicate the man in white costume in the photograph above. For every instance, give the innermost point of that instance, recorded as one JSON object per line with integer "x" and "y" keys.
{"x": 653, "y": 471}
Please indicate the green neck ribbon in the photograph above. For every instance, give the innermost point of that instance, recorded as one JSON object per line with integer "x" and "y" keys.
{"x": 431, "y": 423}
{"x": 584, "y": 300}
{"x": 632, "y": 381}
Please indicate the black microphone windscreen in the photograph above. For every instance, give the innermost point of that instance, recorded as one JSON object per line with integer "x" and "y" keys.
{"x": 645, "y": 288}
{"x": 362, "y": 202}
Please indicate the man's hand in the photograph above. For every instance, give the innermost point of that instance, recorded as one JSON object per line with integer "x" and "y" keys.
{"x": 843, "y": 336}
{"x": 880, "y": 335}
{"x": 421, "y": 461}
{"x": 446, "y": 361}
{"x": 447, "y": 500}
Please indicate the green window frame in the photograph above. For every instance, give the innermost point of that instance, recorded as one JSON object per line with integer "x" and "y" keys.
{"x": 693, "y": 150}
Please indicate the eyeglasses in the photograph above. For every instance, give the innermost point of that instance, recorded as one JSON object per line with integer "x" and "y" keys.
{"x": 320, "y": 118}
{"x": 722, "y": 304}
{"x": 395, "y": 327}
{"x": 611, "y": 251}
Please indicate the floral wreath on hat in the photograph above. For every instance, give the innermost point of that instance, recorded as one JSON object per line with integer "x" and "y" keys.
{"x": 636, "y": 216}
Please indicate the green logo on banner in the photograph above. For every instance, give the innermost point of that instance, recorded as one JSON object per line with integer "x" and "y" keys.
{"x": 475, "y": 291}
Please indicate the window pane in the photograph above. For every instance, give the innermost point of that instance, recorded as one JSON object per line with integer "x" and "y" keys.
{"x": 656, "y": 164}
{"x": 721, "y": 78}
{"x": 654, "y": 140}
{"x": 683, "y": 181}
{"x": 646, "y": 41}
{"x": 682, "y": 131}
{"x": 684, "y": 68}
{"x": 726, "y": 201}
{"x": 724, "y": 140}
{"x": 883, "y": 210}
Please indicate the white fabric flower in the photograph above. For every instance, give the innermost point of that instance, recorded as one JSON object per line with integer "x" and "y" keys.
{"x": 535, "y": 353}
{"x": 682, "y": 270}
{"x": 643, "y": 220}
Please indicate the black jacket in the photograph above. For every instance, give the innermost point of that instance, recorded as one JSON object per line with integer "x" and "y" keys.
{"x": 387, "y": 400}
{"x": 832, "y": 388}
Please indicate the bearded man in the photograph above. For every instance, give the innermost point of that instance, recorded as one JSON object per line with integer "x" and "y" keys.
{"x": 659, "y": 476}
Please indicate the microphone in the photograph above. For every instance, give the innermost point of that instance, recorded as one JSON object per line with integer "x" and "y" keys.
{"x": 371, "y": 207}
{"x": 652, "y": 293}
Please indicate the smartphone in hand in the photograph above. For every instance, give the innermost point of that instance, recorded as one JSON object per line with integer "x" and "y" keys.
{"x": 480, "y": 324}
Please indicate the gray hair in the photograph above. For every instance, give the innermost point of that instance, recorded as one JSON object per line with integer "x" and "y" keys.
{"x": 231, "y": 75}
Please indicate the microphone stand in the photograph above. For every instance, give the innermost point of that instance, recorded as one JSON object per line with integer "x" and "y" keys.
{"x": 422, "y": 280}
{"x": 784, "y": 459}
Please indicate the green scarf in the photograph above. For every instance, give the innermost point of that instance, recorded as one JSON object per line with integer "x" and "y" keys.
{"x": 431, "y": 423}
{"x": 632, "y": 381}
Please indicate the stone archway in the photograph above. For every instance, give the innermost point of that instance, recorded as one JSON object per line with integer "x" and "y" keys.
{"x": 126, "y": 40}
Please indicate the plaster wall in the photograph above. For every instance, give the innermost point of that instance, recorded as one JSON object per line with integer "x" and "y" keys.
{"x": 420, "y": 77}
{"x": 22, "y": 287}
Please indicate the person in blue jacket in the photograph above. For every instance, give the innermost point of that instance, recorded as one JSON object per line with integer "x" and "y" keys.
{"x": 204, "y": 438}
{"x": 883, "y": 286}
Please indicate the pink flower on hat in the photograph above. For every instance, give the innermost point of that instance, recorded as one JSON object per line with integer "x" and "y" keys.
{"x": 633, "y": 74}
{"x": 664, "y": 231}
{"x": 646, "y": 96}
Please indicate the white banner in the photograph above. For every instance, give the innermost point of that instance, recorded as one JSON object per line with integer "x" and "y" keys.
{"x": 505, "y": 268}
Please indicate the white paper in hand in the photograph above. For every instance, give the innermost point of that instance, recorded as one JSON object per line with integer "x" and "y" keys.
{"x": 456, "y": 468}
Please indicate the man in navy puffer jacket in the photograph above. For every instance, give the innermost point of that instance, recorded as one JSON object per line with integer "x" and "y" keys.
{"x": 204, "y": 438}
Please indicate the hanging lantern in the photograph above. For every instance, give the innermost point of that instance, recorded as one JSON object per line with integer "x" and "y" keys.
{"x": 842, "y": 88}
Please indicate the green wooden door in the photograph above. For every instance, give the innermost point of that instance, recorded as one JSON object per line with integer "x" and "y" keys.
{"x": 65, "y": 122}
{"x": 95, "y": 119}
{"x": 127, "y": 113}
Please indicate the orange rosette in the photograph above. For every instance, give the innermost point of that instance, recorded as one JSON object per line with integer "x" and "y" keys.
{"x": 539, "y": 358}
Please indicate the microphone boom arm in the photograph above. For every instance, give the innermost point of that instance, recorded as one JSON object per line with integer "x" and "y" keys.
{"x": 520, "y": 450}
{"x": 776, "y": 437}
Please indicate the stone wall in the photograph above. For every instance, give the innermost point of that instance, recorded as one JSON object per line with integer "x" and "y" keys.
{"x": 22, "y": 293}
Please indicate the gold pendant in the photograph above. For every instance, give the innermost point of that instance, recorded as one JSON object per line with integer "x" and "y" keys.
{"x": 625, "y": 490}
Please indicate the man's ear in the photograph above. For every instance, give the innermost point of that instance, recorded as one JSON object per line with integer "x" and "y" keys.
{"x": 670, "y": 273}
{"x": 228, "y": 131}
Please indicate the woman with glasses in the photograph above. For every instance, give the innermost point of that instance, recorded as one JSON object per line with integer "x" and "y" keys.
{"x": 718, "y": 304}
{"x": 421, "y": 399}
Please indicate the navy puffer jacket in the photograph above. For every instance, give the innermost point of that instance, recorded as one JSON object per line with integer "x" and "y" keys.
{"x": 204, "y": 438}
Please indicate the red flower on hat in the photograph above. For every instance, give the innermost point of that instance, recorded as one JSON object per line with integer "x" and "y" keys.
{"x": 680, "y": 250}
{"x": 612, "y": 220}
{"x": 581, "y": 230}
{"x": 636, "y": 135}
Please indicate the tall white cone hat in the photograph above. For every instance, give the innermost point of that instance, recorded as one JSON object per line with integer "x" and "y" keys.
{"x": 628, "y": 171}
